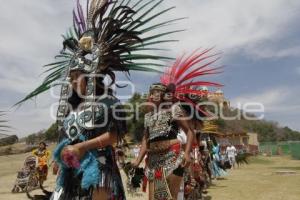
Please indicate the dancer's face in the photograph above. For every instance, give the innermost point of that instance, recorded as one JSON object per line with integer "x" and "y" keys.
{"x": 169, "y": 97}
{"x": 42, "y": 146}
{"x": 78, "y": 82}
{"x": 156, "y": 96}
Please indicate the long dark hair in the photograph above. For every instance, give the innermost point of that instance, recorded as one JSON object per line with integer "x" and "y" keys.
{"x": 75, "y": 100}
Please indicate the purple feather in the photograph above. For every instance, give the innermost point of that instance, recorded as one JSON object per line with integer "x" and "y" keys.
{"x": 81, "y": 16}
{"x": 77, "y": 22}
{"x": 87, "y": 7}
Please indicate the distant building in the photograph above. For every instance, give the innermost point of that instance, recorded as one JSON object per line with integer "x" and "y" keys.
{"x": 218, "y": 97}
{"x": 253, "y": 139}
{"x": 242, "y": 141}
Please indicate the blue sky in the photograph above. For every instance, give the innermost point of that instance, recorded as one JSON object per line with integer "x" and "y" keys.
{"x": 260, "y": 41}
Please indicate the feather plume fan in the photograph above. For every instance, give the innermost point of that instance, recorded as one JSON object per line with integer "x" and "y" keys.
{"x": 125, "y": 32}
{"x": 185, "y": 72}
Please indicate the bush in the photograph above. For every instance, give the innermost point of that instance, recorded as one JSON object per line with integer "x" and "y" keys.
{"x": 9, "y": 140}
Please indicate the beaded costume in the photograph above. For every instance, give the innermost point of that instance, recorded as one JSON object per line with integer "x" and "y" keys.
{"x": 161, "y": 126}
{"x": 162, "y": 162}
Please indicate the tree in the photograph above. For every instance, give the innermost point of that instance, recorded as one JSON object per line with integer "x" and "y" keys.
{"x": 136, "y": 124}
{"x": 30, "y": 140}
{"x": 51, "y": 133}
{"x": 268, "y": 131}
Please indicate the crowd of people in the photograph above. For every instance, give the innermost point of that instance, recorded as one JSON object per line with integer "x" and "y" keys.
{"x": 208, "y": 162}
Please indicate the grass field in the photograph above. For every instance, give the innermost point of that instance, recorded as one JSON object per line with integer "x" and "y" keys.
{"x": 257, "y": 181}
{"x": 260, "y": 181}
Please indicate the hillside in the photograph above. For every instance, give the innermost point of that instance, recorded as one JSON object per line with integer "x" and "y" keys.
{"x": 268, "y": 131}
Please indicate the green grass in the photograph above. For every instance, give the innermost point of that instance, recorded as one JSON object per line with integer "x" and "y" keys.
{"x": 286, "y": 168}
{"x": 260, "y": 160}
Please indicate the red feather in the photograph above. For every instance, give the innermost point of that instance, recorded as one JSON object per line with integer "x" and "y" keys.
{"x": 203, "y": 66}
{"x": 199, "y": 83}
{"x": 197, "y": 74}
{"x": 188, "y": 61}
{"x": 187, "y": 68}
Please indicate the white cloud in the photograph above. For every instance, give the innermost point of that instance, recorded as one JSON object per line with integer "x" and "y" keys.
{"x": 29, "y": 38}
{"x": 267, "y": 50}
{"x": 281, "y": 104}
{"x": 32, "y": 31}
{"x": 268, "y": 98}
{"x": 233, "y": 25}
{"x": 31, "y": 116}
{"x": 30, "y": 121}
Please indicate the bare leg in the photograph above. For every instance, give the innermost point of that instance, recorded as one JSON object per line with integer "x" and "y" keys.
{"x": 101, "y": 194}
{"x": 174, "y": 183}
{"x": 151, "y": 190}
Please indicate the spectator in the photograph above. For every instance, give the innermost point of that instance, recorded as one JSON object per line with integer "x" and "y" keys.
{"x": 231, "y": 154}
{"x": 43, "y": 156}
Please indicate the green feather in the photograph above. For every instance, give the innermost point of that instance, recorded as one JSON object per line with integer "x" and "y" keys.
{"x": 145, "y": 56}
{"x": 145, "y": 13}
{"x": 161, "y": 35}
{"x": 153, "y": 43}
{"x": 57, "y": 63}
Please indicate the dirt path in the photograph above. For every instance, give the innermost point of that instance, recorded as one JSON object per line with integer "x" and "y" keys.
{"x": 257, "y": 181}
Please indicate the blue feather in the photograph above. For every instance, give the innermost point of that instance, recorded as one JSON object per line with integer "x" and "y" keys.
{"x": 89, "y": 167}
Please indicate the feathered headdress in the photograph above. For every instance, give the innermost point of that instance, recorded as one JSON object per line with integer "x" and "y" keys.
{"x": 183, "y": 74}
{"x": 106, "y": 36}
{"x": 109, "y": 36}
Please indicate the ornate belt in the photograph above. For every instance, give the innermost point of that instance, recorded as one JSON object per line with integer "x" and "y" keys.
{"x": 161, "y": 146}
